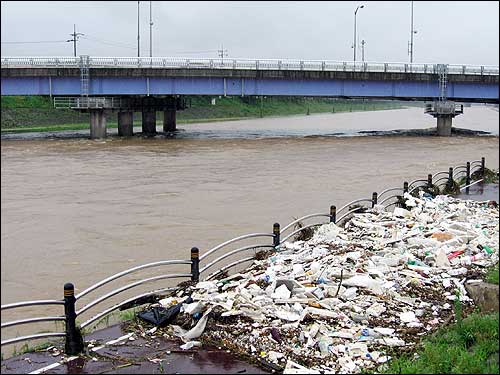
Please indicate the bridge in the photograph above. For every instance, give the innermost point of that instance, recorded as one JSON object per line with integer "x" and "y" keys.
{"x": 103, "y": 85}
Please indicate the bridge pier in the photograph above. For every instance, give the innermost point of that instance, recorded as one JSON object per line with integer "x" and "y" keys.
{"x": 97, "y": 123}
{"x": 126, "y": 123}
{"x": 169, "y": 120}
{"x": 444, "y": 125}
{"x": 444, "y": 111}
{"x": 149, "y": 121}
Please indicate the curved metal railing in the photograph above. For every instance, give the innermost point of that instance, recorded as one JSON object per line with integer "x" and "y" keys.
{"x": 127, "y": 272}
{"x": 240, "y": 238}
{"x": 337, "y": 216}
{"x": 123, "y": 303}
{"x": 236, "y": 251}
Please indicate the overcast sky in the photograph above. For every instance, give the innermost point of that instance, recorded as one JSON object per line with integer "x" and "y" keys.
{"x": 458, "y": 32}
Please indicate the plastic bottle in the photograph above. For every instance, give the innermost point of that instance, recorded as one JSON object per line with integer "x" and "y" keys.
{"x": 455, "y": 253}
{"x": 467, "y": 260}
{"x": 487, "y": 249}
{"x": 417, "y": 262}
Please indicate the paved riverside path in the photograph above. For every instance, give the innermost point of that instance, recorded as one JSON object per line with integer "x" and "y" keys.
{"x": 137, "y": 356}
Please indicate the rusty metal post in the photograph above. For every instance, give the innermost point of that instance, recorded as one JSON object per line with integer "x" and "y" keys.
{"x": 195, "y": 264}
{"x": 467, "y": 178}
{"x": 276, "y": 234}
{"x": 74, "y": 340}
{"x": 333, "y": 214}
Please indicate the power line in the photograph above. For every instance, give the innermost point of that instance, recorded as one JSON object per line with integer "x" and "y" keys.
{"x": 108, "y": 42}
{"x": 38, "y": 41}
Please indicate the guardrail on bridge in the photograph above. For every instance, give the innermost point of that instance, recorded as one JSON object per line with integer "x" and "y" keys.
{"x": 245, "y": 64}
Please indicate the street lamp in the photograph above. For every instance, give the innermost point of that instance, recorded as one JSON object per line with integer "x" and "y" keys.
{"x": 138, "y": 34}
{"x": 413, "y": 31}
{"x": 354, "y": 44}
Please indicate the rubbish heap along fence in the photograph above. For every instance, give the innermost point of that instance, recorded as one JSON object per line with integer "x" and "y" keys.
{"x": 461, "y": 175}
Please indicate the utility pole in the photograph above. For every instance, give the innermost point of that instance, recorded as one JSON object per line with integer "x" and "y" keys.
{"x": 75, "y": 36}
{"x": 363, "y": 50}
{"x": 222, "y": 52}
{"x": 138, "y": 36}
{"x": 150, "y": 29}
{"x": 410, "y": 44}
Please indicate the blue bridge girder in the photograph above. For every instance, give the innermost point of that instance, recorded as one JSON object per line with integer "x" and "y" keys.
{"x": 62, "y": 76}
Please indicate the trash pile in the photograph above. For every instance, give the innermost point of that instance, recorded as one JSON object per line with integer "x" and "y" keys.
{"x": 339, "y": 302}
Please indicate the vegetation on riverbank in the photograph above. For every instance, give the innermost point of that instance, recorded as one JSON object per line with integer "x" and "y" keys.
{"x": 469, "y": 346}
{"x": 492, "y": 275}
{"x": 36, "y": 113}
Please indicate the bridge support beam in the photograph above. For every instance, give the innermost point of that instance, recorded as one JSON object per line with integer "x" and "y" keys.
{"x": 126, "y": 123}
{"x": 444, "y": 111}
{"x": 444, "y": 125}
{"x": 149, "y": 121}
{"x": 169, "y": 120}
{"x": 97, "y": 123}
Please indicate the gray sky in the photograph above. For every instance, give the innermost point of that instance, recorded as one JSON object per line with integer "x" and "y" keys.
{"x": 458, "y": 32}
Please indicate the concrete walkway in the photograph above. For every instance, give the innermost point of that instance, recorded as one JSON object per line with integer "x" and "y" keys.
{"x": 116, "y": 351}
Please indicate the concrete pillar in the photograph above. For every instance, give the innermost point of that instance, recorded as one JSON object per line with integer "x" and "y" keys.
{"x": 149, "y": 122}
{"x": 126, "y": 123}
{"x": 169, "y": 120}
{"x": 444, "y": 125}
{"x": 97, "y": 123}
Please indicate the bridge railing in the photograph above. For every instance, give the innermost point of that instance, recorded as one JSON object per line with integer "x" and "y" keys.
{"x": 247, "y": 64}
{"x": 474, "y": 170}
{"x": 88, "y": 102}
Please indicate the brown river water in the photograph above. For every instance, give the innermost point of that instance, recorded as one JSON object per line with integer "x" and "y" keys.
{"x": 78, "y": 210}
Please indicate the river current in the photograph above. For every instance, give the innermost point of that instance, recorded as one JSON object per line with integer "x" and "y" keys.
{"x": 78, "y": 210}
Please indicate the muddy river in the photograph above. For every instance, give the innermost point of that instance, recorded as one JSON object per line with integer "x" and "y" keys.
{"x": 78, "y": 210}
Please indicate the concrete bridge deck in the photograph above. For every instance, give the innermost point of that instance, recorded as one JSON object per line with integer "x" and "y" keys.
{"x": 112, "y": 80}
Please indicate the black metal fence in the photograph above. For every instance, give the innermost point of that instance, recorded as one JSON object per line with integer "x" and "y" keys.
{"x": 199, "y": 265}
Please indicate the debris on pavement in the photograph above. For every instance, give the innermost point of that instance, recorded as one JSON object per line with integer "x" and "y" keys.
{"x": 341, "y": 301}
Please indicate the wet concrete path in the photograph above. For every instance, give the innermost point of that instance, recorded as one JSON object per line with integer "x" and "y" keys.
{"x": 131, "y": 355}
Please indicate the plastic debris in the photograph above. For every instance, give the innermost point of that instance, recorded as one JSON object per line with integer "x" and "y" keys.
{"x": 333, "y": 303}
{"x": 190, "y": 345}
{"x": 161, "y": 316}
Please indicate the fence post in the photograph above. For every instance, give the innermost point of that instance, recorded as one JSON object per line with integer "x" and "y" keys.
{"x": 467, "y": 178}
{"x": 450, "y": 177}
{"x": 482, "y": 167}
{"x": 195, "y": 264}
{"x": 333, "y": 214}
{"x": 374, "y": 199}
{"x": 276, "y": 234}
{"x": 74, "y": 340}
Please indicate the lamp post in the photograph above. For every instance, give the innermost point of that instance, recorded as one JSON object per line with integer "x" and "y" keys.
{"x": 354, "y": 44}
{"x": 150, "y": 30}
{"x": 410, "y": 49}
{"x": 138, "y": 35}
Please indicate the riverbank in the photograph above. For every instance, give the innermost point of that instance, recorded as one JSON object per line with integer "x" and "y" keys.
{"x": 35, "y": 114}
{"x": 423, "y": 300}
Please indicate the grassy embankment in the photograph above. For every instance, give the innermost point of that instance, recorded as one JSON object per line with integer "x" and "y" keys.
{"x": 36, "y": 113}
{"x": 469, "y": 346}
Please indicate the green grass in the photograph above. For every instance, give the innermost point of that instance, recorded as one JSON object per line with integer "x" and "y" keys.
{"x": 36, "y": 113}
{"x": 468, "y": 347}
{"x": 492, "y": 275}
